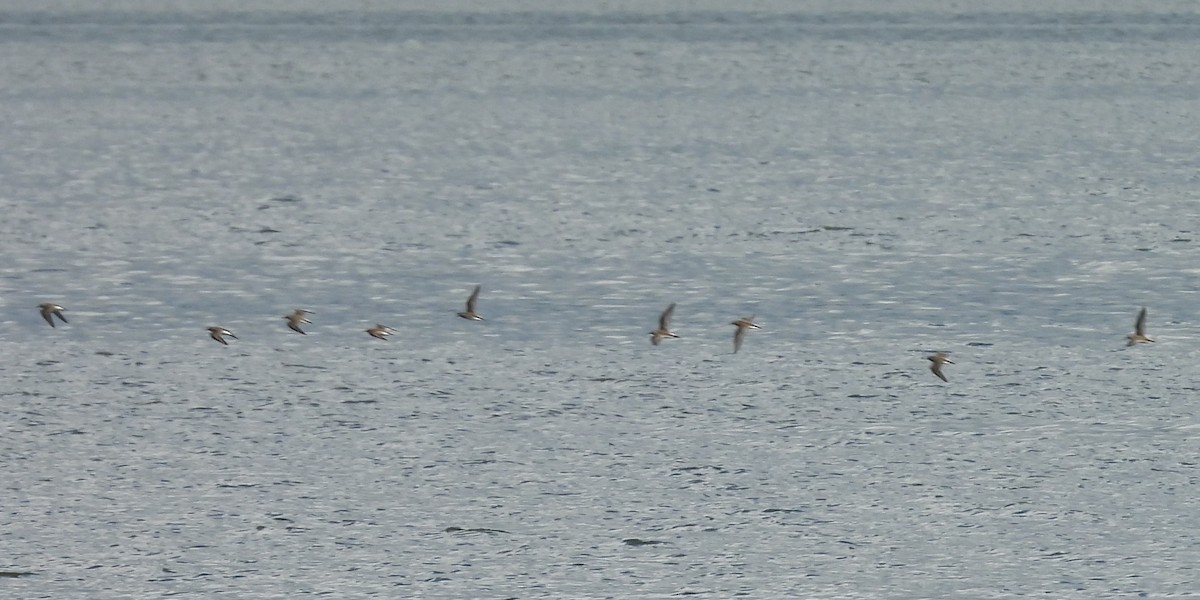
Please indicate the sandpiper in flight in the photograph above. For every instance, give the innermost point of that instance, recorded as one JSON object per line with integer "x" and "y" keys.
{"x": 217, "y": 333}
{"x": 938, "y": 359}
{"x": 380, "y": 331}
{"x": 742, "y": 326}
{"x": 296, "y": 318}
{"x": 664, "y": 326}
{"x": 49, "y": 310}
{"x": 470, "y": 313}
{"x": 1137, "y": 337}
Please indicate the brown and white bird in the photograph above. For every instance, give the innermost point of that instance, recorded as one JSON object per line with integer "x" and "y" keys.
{"x": 1137, "y": 337}
{"x": 939, "y": 359}
{"x": 298, "y": 317}
{"x": 664, "y": 326}
{"x": 217, "y": 333}
{"x": 742, "y": 326}
{"x": 380, "y": 331}
{"x": 50, "y": 310}
{"x": 470, "y": 313}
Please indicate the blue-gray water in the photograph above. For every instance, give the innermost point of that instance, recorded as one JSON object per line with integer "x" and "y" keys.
{"x": 873, "y": 182}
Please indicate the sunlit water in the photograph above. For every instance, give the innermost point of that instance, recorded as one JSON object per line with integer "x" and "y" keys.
{"x": 872, "y": 183}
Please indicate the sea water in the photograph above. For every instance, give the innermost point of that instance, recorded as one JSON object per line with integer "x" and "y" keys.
{"x": 1009, "y": 183}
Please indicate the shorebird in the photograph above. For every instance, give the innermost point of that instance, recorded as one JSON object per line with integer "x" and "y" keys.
{"x": 938, "y": 359}
{"x": 296, "y": 318}
{"x": 470, "y": 313}
{"x": 49, "y": 310}
{"x": 381, "y": 331}
{"x": 742, "y": 326}
{"x": 216, "y": 333}
{"x": 664, "y": 326}
{"x": 1137, "y": 337}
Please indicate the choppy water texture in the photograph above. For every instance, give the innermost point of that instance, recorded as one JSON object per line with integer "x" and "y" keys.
{"x": 1008, "y": 184}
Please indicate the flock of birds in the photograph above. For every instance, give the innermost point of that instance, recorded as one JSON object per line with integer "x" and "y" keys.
{"x": 299, "y": 317}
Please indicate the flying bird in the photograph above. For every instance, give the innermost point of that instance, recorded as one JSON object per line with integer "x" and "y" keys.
{"x": 664, "y": 326}
{"x": 938, "y": 359}
{"x": 297, "y": 317}
{"x": 470, "y": 313}
{"x": 1137, "y": 337}
{"x": 742, "y": 326}
{"x": 380, "y": 331}
{"x": 216, "y": 333}
{"x": 50, "y": 310}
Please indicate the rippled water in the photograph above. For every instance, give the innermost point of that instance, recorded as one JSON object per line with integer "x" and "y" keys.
{"x": 873, "y": 182}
